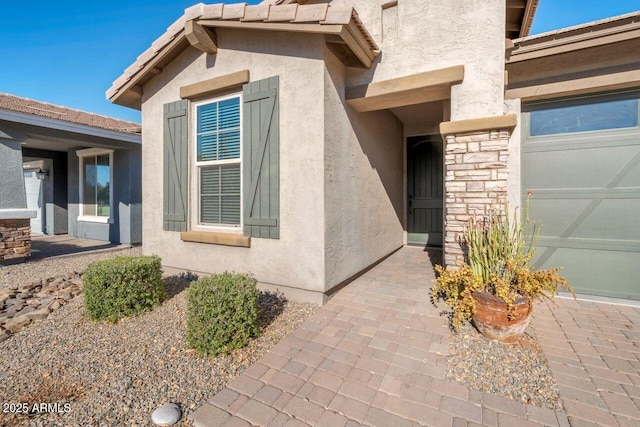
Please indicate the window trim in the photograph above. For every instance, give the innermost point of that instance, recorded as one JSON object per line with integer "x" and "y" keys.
{"x": 93, "y": 152}
{"x": 197, "y": 166}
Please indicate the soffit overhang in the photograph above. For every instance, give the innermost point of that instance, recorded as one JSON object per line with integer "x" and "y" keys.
{"x": 343, "y": 30}
{"x": 519, "y": 17}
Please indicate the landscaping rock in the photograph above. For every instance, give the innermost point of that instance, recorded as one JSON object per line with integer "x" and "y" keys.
{"x": 515, "y": 371}
{"x": 5, "y": 294}
{"x": 16, "y": 303}
{"x": 117, "y": 374}
{"x": 37, "y": 314}
{"x": 10, "y": 312}
{"x": 4, "y": 335}
{"x": 20, "y": 304}
{"x": 33, "y": 302}
{"x": 26, "y": 309}
{"x": 55, "y": 304}
{"x": 166, "y": 415}
{"x": 14, "y": 325}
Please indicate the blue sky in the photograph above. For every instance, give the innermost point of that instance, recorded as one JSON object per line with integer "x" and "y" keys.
{"x": 69, "y": 52}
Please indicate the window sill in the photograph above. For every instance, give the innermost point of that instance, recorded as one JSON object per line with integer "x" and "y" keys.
{"x": 212, "y": 238}
{"x": 98, "y": 219}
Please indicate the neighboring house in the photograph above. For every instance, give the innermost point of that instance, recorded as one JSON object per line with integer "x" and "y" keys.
{"x": 304, "y": 141}
{"x": 81, "y": 172}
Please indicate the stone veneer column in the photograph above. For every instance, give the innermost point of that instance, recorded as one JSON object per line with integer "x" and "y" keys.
{"x": 476, "y": 156}
{"x": 15, "y": 238}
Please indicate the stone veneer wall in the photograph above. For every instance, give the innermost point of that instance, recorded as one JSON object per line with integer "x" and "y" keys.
{"x": 15, "y": 238}
{"x": 475, "y": 181}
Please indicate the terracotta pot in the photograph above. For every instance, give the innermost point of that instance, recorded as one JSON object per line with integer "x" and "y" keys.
{"x": 492, "y": 317}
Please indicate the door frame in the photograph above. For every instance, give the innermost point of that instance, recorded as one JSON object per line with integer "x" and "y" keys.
{"x": 29, "y": 167}
{"x": 405, "y": 195}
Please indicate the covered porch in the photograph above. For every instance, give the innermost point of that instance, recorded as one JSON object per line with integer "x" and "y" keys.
{"x": 453, "y": 169}
{"x": 68, "y": 177}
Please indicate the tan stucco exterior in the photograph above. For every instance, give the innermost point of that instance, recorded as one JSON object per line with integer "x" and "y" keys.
{"x": 343, "y": 173}
{"x": 296, "y": 259}
{"x": 363, "y": 181}
{"x": 429, "y": 35}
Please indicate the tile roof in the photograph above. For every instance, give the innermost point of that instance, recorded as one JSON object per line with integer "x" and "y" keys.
{"x": 586, "y": 27}
{"x": 263, "y": 13}
{"x": 51, "y": 111}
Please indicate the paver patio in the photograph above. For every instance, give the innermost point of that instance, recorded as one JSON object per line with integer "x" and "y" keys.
{"x": 376, "y": 355}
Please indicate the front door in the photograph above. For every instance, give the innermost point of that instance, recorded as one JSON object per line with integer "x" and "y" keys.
{"x": 425, "y": 190}
{"x": 33, "y": 187}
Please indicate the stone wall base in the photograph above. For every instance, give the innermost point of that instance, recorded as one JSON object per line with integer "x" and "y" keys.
{"x": 15, "y": 239}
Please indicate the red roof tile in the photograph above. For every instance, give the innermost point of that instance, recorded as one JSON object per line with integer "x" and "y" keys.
{"x": 51, "y": 111}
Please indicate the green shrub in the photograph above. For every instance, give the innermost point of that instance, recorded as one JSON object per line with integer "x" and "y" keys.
{"x": 222, "y": 313}
{"x": 122, "y": 286}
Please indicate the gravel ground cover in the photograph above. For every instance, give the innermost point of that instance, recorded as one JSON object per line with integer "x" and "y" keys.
{"x": 516, "y": 371}
{"x": 32, "y": 271}
{"x": 117, "y": 374}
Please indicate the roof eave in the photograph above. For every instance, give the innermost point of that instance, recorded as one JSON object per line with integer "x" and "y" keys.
{"x": 127, "y": 89}
{"x": 584, "y": 36}
{"x": 130, "y": 93}
{"x": 527, "y": 19}
{"x": 63, "y": 125}
{"x": 519, "y": 17}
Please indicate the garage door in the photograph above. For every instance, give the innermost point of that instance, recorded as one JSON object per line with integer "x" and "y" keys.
{"x": 581, "y": 163}
{"x": 33, "y": 187}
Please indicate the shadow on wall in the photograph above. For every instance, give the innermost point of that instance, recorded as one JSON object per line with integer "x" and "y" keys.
{"x": 42, "y": 248}
{"x": 368, "y": 129}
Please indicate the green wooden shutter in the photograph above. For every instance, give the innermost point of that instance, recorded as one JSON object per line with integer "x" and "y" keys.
{"x": 261, "y": 159}
{"x": 175, "y": 168}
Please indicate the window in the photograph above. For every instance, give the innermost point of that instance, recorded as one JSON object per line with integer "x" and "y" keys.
{"x": 584, "y": 116}
{"x": 218, "y": 162}
{"x": 96, "y": 167}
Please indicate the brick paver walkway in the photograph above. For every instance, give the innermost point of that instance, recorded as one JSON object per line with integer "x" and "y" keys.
{"x": 593, "y": 350}
{"x": 376, "y": 355}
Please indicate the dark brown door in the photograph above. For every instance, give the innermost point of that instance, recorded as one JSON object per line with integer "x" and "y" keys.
{"x": 425, "y": 190}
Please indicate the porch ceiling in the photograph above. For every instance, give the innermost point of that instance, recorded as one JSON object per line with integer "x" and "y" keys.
{"x": 421, "y": 118}
{"x": 52, "y": 139}
{"x": 49, "y": 145}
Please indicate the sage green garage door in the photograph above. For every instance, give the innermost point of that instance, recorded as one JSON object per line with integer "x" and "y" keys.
{"x": 581, "y": 164}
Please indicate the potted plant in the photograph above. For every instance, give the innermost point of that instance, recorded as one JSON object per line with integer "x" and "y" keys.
{"x": 497, "y": 287}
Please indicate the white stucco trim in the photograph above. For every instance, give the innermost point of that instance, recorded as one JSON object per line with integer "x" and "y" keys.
{"x": 49, "y": 123}
{"x": 98, "y": 219}
{"x": 17, "y": 213}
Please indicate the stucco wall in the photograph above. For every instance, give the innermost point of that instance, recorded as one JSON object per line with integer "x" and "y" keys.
{"x": 363, "y": 181}
{"x": 514, "y": 185}
{"x": 296, "y": 259}
{"x": 436, "y": 34}
{"x": 12, "y": 192}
